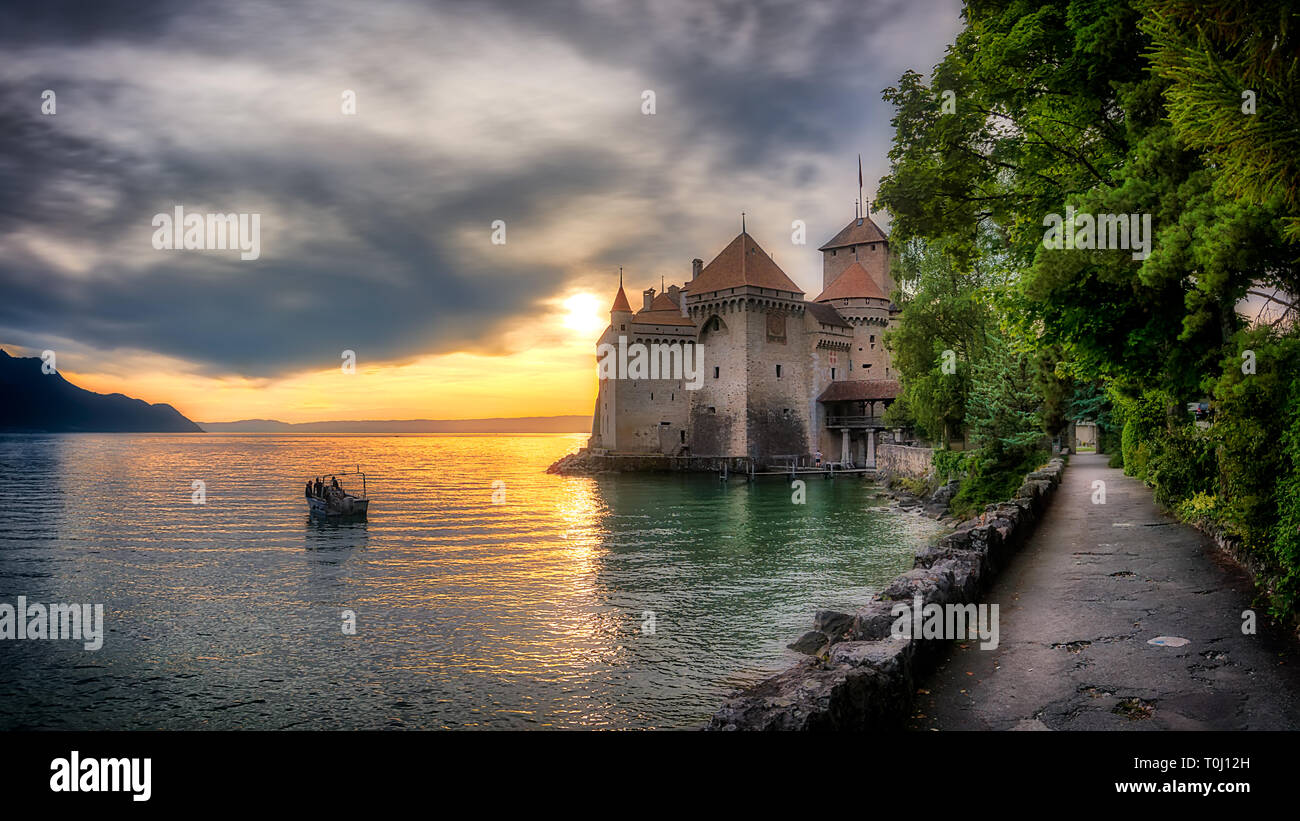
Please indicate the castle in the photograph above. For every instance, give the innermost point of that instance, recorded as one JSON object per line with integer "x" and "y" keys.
{"x": 785, "y": 379}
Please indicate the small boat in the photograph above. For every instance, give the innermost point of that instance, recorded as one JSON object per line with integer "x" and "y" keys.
{"x": 332, "y": 500}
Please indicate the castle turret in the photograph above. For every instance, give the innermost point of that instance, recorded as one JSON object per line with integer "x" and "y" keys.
{"x": 863, "y": 242}
{"x": 620, "y": 313}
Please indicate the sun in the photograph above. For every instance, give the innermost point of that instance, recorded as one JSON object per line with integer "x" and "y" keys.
{"x": 584, "y": 314}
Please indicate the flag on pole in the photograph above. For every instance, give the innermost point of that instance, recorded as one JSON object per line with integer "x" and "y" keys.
{"x": 859, "y": 171}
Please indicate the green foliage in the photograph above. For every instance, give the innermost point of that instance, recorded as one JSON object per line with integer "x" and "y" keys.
{"x": 951, "y": 464}
{"x": 1212, "y": 52}
{"x": 991, "y": 480}
{"x": 1145, "y": 421}
{"x": 1112, "y": 107}
{"x": 1005, "y": 411}
{"x": 943, "y": 322}
{"x": 916, "y": 487}
{"x": 1284, "y": 540}
{"x": 1184, "y": 464}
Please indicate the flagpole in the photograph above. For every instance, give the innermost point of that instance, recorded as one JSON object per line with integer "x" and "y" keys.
{"x": 861, "y": 198}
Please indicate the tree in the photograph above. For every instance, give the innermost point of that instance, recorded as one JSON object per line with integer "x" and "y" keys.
{"x": 941, "y": 331}
{"x": 1233, "y": 94}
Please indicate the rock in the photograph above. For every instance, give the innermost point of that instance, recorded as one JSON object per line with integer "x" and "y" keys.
{"x": 812, "y": 643}
{"x": 966, "y": 573}
{"x": 931, "y": 585}
{"x": 832, "y": 623}
{"x": 959, "y": 540}
{"x": 891, "y": 656}
{"x": 813, "y": 696}
{"x": 873, "y": 621}
{"x": 1034, "y": 489}
{"x": 930, "y": 556}
{"x": 581, "y": 463}
{"x": 943, "y": 494}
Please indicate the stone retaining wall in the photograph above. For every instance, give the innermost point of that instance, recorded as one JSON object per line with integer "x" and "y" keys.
{"x": 857, "y": 676}
{"x": 901, "y": 460}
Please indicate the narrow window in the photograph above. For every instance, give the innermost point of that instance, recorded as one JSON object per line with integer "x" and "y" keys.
{"x": 778, "y": 371}
{"x": 717, "y": 371}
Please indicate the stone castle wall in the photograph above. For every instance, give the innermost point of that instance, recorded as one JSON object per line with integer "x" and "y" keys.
{"x": 775, "y": 415}
{"x": 717, "y": 413}
{"x": 901, "y": 460}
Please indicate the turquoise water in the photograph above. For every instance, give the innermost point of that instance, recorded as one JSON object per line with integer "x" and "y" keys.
{"x": 530, "y": 609}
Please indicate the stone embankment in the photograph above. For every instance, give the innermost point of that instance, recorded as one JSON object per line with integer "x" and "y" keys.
{"x": 859, "y": 677}
{"x": 586, "y": 463}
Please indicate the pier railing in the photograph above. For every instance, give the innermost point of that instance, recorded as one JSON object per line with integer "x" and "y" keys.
{"x": 855, "y": 422}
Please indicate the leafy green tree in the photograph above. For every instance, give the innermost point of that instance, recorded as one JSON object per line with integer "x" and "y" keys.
{"x": 1005, "y": 414}
{"x": 943, "y": 325}
{"x": 1232, "y": 93}
{"x": 1115, "y": 107}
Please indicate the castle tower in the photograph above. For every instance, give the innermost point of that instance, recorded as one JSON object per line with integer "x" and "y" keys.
{"x": 857, "y": 296}
{"x": 857, "y": 283}
{"x": 751, "y": 317}
{"x": 863, "y": 242}
{"x": 604, "y": 423}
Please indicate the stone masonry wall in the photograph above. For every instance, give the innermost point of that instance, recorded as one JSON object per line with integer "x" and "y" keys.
{"x": 900, "y": 460}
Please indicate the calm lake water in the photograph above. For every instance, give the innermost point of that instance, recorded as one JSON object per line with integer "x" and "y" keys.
{"x": 523, "y": 614}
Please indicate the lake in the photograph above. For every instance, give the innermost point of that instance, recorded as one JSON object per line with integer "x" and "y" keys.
{"x": 486, "y": 593}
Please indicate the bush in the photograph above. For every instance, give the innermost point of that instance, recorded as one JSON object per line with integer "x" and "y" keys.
{"x": 1146, "y": 421}
{"x": 1242, "y": 475}
{"x": 1182, "y": 464}
{"x": 951, "y": 464}
{"x": 991, "y": 481}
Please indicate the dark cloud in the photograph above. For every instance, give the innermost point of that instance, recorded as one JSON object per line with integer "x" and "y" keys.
{"x": 370, "y": 236}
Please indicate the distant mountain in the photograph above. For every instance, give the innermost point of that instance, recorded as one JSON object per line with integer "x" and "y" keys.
{"x": 32, "y": 401}
{"x": 520, "y": 424}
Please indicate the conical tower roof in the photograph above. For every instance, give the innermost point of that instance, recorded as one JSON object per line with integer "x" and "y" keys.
{"x": 742, "y": 262}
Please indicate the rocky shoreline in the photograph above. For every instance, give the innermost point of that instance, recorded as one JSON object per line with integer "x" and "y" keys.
{"x": 858, "y": 677}
{"x": 581, "y": 463}
{"x": 934, "y": 505}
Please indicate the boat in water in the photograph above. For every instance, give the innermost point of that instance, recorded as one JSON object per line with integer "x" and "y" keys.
{"x": 328, "y": 497}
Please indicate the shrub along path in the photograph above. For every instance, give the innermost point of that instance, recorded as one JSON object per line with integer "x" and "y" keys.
{"x": 1079, "y": 604}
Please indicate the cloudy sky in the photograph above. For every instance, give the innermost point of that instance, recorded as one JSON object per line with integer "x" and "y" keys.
{"x": 376, "y": 228}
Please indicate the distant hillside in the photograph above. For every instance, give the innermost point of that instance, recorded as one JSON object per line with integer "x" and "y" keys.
{"x": 521, "y": 424}
{"x": 38, "y": 402}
